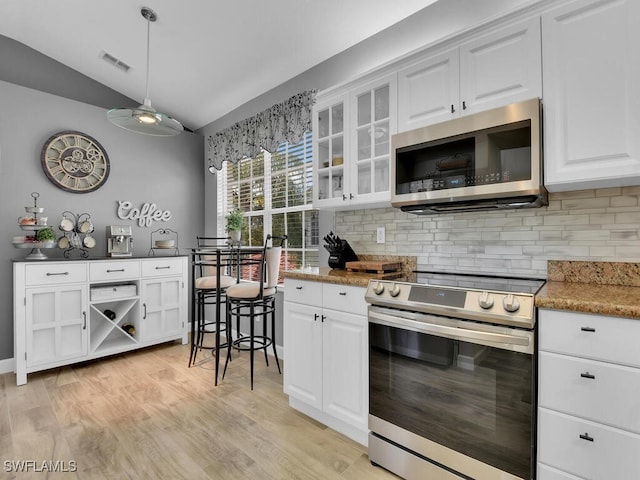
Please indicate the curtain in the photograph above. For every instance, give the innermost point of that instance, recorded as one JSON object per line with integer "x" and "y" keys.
{"x": 286, "y": 121}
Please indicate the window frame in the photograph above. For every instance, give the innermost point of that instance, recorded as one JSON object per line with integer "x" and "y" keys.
{"x": 308, "y": 253}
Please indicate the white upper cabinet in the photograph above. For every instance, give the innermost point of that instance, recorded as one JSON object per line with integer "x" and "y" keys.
{"x": 495, "y": 69}
{"x": 591, "y": 65}
{"x": 501, "y": 67}
{"x": 429, "y": 91}
{"x": 352, "y": 135}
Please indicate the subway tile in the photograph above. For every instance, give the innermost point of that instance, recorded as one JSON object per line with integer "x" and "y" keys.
{"x": 587, "y": 224}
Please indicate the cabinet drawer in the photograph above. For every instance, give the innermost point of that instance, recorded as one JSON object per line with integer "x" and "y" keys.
{"x": 548, "y": 473}
{"x": 612, "y": 454}
{"x": 118, "y": 270}
{"x": 344, "y": 298}
{"x": 304, "y": 292}
{"x": 162, "y": 267}
{"x": 609, "y": 397}
{"x": 591, "y": 336}
{"x": 56, "y": 273}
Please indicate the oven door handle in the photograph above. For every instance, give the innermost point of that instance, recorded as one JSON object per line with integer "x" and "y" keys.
{"x": 501, "y": 340}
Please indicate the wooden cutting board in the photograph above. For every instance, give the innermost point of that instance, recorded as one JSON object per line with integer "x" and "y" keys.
{"x": 373, "y": 267}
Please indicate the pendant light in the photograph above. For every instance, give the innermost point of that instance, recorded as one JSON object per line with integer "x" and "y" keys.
{"x": 144, "y": 119}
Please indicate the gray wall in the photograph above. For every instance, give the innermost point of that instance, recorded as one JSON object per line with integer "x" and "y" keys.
{"x": 25, "y": 66}
{"x": 166, "y": 171}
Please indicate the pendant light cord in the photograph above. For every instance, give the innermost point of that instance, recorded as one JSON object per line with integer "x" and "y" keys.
{"x": 146, "y": 96}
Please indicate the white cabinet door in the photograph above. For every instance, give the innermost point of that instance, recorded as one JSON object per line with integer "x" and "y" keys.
{"x": 501, "y": 67}
{"x": 345, "y": 367}
{"x": 372, "y": 122}
{"x": 302, "y": 331}
{"x": 591, "y": 74}
{"x": 352, "y": 145}
{"x": 330, "y": 147}
{"x": 495, "y": 69}
{"x": 428, "y": 91}
{"x": 56, "y": 324}
{"x": 162, "y": 308}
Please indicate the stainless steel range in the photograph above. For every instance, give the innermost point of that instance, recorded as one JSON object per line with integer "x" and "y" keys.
{"x": 452, "y": 384}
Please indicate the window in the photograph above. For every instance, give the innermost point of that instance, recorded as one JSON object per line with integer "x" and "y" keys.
{"x": 275, "y": 193}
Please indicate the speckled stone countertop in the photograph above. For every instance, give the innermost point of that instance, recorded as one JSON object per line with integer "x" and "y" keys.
{"x": 606, "y": 288}
{"x": 358, "y": 279}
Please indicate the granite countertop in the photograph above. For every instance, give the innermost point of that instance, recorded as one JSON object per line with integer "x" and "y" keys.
{"x": 605, "y": 288}
{"x": 358, "y": 279}
{"x": 342, "y": 277}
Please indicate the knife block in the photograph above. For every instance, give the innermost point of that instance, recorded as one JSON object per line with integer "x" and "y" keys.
{"x": 340, "y": 254}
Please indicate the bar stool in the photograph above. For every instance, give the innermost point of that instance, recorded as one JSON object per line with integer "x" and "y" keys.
{"x": 255, "y": 300}
{"x": 205, "y": 292}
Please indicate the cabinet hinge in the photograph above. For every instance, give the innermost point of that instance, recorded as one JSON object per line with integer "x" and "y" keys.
{"x": 25, "y": 301}
{"x": 25, "y": 356}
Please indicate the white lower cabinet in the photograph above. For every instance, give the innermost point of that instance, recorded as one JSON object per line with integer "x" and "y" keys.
{"x": 71, "y": 311}
{"x": 326, "y": 347}
{"x": 588, "y": 416}
{"x": 56, "y": 319}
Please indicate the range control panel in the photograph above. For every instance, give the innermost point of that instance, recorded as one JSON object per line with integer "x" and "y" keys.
{"x": 502, "y": 308}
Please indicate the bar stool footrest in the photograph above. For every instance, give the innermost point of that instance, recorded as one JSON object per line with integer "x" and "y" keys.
{"x": 260, "y": 342}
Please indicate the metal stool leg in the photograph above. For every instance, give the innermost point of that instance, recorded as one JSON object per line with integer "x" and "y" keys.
{"x": 264, "y": 330}
{"x": 251, "y": 339}
{"x": 273, "y": 334}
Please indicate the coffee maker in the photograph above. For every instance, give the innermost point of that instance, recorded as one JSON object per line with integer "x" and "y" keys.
{"x": 119, "y": 241}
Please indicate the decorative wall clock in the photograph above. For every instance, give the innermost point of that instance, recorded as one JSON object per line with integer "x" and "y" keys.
{"x": 75, "y": 162}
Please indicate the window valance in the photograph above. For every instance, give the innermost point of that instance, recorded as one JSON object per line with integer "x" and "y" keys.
{"x": 286, "y": 121}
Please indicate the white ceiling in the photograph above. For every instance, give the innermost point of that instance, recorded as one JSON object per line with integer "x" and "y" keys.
{"x": 207, "y": 56}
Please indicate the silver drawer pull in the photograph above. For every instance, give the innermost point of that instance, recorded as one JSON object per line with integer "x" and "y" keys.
{"x": 586, "y": 436}
{"x": 588, "y": 329}
{"x": 162, "y": 268}
{"x": 57, "y": 273}
{"x": 298, "y": 288}
{"x": 342, "y": 293}
{"x": 588, "y": 375}
{"x": 113, "y": 271}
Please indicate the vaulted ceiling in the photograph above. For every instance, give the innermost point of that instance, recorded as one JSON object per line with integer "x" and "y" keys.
{"x": 206, "y": 57}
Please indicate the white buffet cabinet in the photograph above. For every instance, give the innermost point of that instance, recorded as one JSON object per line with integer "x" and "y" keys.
{"x": 326, "y": 372}
{"x": 589, "y": 379}
{"x": 70, "y": 311}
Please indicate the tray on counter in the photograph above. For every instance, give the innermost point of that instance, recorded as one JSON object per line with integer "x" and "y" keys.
{"x": 376, "y": 268}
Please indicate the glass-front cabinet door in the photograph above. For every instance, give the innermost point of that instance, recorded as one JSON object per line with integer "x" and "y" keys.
{"x": 352, "y": 131}
{"x": 330, "y": 146}
{"x": 373, "y": 122}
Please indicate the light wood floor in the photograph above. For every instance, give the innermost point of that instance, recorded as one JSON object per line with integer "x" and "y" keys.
{"x": 145, "y": 415}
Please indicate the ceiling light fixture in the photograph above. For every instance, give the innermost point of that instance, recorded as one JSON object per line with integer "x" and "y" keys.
{"x": 144, "y": 119}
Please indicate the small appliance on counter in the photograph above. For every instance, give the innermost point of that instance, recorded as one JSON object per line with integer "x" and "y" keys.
{"x": 340, "y": 252}
{"x": 119, "y": 241}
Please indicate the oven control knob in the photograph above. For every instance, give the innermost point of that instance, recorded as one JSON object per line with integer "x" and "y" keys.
{"x": 379, "y": 288}
{"x": 485, "y": 300}
{"x": 510, "y": 303}
{"x": 395, "y": 290}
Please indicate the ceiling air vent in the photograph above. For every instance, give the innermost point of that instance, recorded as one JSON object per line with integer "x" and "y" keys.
{"x": 114, "y": 61}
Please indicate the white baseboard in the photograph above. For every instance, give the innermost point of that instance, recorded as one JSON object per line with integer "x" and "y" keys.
{"x": 7, "y": 365}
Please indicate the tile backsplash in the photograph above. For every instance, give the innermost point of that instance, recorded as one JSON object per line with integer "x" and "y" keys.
{"x": 595, "y": 225}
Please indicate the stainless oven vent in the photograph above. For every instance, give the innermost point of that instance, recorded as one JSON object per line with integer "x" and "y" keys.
{"x": 529, "y": 201}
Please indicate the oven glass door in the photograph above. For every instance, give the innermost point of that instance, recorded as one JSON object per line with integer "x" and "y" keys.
{"x": 475, "y": 399}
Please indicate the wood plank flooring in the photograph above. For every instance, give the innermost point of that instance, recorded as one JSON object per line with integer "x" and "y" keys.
{"x": 145, "y": 415}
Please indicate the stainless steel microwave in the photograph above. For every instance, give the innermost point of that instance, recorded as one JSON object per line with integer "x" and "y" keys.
{"x": 487, "y": 160}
